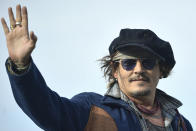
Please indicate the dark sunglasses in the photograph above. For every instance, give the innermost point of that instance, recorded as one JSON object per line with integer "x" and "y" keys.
{"x": 129, "y": 64}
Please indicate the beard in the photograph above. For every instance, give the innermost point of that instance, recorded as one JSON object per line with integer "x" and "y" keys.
{"x": 124, "y": 85}
{"x": 140, "y": 93}
{"x": 143, "y": 92}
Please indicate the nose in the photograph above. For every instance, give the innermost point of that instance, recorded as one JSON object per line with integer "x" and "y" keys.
{"x": 138, "y": 69}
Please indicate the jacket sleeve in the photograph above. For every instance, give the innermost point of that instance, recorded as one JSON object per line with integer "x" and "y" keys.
{"x": 44, "y": 106}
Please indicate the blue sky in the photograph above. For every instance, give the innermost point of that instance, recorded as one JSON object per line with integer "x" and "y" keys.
{"x": 73, "y": 35}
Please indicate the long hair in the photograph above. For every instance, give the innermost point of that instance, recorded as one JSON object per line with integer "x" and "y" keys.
{"x": 109, "y": 67}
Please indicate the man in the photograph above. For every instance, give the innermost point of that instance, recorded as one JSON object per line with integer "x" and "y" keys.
{"x": 138, "y": 60}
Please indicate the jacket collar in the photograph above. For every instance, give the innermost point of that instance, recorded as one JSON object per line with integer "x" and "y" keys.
{"x": 117, "y": 97}
{"x": 114, "y": 97}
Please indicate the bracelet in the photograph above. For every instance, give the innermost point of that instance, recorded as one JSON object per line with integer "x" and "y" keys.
{"x": 16, "y": 68}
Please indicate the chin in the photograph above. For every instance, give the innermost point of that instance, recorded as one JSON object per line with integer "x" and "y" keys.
{"x": 140, "y": 92}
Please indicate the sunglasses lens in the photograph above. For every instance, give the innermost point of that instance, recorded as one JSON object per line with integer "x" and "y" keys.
{"x": 149, "y": 63}
{"x": 128, "y": 64}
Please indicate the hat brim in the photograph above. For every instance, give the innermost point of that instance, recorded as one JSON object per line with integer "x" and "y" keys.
{"x": 138, "y": 48}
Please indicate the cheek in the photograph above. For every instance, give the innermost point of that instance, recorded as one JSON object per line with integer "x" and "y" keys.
{"x": 123, "y": 76}
{"x": 155, "y": 77}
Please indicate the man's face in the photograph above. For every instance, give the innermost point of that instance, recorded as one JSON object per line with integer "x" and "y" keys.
{"x": 139, "y": 81}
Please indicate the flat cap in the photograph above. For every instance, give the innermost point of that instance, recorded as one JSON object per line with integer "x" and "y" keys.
{"x": 148, "y": 41}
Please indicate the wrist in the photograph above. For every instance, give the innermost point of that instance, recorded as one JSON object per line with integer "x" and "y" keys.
{"x": 20, "y": 64}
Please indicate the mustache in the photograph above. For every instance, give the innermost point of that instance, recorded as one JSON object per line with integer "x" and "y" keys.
{"x": 139, "y": 77}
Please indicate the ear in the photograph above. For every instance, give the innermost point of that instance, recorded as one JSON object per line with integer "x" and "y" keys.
{"x": 161, "y": 75}
{"x": 115, "y": 74}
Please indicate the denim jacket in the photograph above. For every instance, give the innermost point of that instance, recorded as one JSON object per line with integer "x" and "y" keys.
{"x": 86, "y": 111}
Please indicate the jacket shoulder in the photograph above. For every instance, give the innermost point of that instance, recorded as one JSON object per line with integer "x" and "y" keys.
{"x": 187, "y": 123}
{"x": 88, "y": 98}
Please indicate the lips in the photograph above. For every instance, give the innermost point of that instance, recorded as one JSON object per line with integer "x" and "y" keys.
{"x": 139, "y": 79}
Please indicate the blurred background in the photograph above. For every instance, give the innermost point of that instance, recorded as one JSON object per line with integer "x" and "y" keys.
{"x": 74, "y": 34}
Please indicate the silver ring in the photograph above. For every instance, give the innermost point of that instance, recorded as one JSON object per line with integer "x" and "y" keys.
{"x": 18, "y": 23}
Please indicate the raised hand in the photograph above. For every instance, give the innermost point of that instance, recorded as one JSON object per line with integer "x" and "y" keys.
{"x": 20, "y": 43}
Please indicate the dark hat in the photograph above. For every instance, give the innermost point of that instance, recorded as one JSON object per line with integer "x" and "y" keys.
{"x": 146, "y": 40}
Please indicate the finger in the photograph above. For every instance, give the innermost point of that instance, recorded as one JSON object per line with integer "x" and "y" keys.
{"x": 33, "y": 37}
{"x": 11, "y": 17}
{"x": 24, "y": 17}
{"x": 5, "y": 27}
{"x": 18, "y": 14}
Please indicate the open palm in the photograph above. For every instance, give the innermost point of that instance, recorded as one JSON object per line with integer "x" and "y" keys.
{"x": 20, "y": 43}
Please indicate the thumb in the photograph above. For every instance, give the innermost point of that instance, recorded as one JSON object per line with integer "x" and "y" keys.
{"x": 33, "y": 37}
